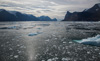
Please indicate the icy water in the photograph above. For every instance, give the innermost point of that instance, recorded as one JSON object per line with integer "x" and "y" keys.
{"x": 48, "y": 41}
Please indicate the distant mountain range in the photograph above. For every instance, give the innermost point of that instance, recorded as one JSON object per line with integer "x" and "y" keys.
{"x": 46, "y": 18}
{"x": 92, "y": 14}
{"x": 17, "y": 16}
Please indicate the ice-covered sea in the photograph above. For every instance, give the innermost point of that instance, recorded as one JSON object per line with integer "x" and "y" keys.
{"x": 49, "y": 41}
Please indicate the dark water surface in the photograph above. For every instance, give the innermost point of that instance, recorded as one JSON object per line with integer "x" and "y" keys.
{"x": 47, "y": 41}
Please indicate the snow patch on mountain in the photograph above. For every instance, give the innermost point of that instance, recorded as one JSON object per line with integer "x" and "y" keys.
{"x": 86, "y": 9}
{"x": 97, "y": 9}
{"x": 12, "y": 12}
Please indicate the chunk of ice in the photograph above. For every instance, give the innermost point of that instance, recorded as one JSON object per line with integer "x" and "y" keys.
{"x": 90, "y": 41}
{"x": 16, "y": 56}
{"x": 39, "y": 28}
{"x": 49, "y": 60}
{"x": 32, "y": 34}
{"x": 65, "y": 59}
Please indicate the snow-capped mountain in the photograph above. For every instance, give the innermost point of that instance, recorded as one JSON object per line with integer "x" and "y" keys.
{"x": 92, "y": 14}
{"x": 13, "y": 12}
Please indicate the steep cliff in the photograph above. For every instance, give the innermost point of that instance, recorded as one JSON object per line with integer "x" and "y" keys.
{"x": 92, "y": 14}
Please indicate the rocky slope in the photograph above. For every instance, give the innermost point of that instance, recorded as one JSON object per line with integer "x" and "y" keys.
{"x": 92, "y": 14}
{"x": 15, "y": 16}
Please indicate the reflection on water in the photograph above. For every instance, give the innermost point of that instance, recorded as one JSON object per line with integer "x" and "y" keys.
{"x": 47, "y": 41}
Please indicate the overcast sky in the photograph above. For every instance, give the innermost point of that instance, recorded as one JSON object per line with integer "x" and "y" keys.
{"x": 52, "y": 8}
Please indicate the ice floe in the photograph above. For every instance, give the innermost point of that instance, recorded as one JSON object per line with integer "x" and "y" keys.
{"x": 11, "y": 27}
{"x": 34, "y": 34}
{"x": 39, "y": 28}
{"x": 47, "y": 40}
{"x": 49, "y": 60}
{"x": 53, "y": 59}
{"x": 90, "y": 41}
{"x": 42, "y": 24}
{"x": 65, "y": 59}
{"x": 16, "y": 56}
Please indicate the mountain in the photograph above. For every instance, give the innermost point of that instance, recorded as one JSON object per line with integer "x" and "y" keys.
{"x": 92, "y": 14}
{"x": 15, "y": 16}
{"x": 46, "y": 18}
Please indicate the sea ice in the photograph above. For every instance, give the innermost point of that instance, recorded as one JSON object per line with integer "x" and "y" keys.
{"x": 43, "y": 60}
{"x": 65, "y": 59}
{"x": 47, "y": 40}
{"x": 39, "y": 28}
{"x": 90, "y": 41}
{"x": 16, "y": 56}
{"x": 32, "y": 34}
{"x": 64, "y": 42}
{"x": 49, "y": 60}
{"x": 43, "y": 24}
{"x": 11, "y": 27}
{"x": 10, "y": 49}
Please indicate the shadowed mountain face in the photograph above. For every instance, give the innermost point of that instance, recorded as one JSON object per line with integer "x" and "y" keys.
{"x": 17, "y": 16}
{"x": 46, "y": 18}
{"x": 92, "y": 14}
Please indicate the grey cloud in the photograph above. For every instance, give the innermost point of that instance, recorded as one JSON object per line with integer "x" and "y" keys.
{"x": 52, "y": 8}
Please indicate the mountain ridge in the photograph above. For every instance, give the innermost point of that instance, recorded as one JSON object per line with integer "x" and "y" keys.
{"x": 92, "y": 14}
{"x": 6, "y": 15}
{"x": 46, "y": 18}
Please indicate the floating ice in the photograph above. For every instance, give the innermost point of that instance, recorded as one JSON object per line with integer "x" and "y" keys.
{"x": 43, "y": 24}
{"x": 10, "y": 49}
{"x": 90, "y": 41}
{"x": 34, "y": 34}
{"x": 39, "y": 32}
{"x": 16, "y": 56}
{"x": 49, "y": 60}
{"x": 11, "y": 27}
{"x": 65, "y": 59}
{"x": 64, "y": 42}
{"x": 19, "y": 51}
{"x": 47, "y": 40}
{"x": 39, "y": 28}
{"x": 53, "y": 59}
